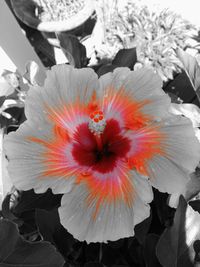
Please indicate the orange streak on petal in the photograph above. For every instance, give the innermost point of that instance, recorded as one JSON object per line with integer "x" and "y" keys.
{"x": 36, "y": 140}
{"x": 150, "y": 144}
{"x": 63, "y": 118}
{"x": 107, "y": 190}
{"x": 130, "y": 109}
{"x": 93, "y": 104}
{"x": 61, "y": 132}
{"x": 52, "y": 157}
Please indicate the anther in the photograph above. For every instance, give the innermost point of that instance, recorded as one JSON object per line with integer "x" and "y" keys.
{"x": 97, "y": 122}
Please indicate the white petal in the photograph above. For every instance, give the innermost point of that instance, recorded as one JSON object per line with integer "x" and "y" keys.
{"x": 63, "y": 85}
{"x": 142, "y": 187}
{"x": 142, "y": 84}
{"x": 113, "y": 221}
{"x": 25, "y": 161}
{"x": 144, "y": 195}
{"x": 115, "y": 79}
{"x": 181, "y": 145}
{"x": 190, "y": 111}
{"x": 166, "y": 176}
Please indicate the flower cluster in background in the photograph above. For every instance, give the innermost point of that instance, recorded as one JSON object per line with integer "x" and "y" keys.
{"x": 155, "y": 34}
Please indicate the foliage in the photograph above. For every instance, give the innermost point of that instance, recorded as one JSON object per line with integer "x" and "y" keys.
{"x": 19, "y": 252}
{"x": 13, "y": 91}
{"x": 166, "y": 238}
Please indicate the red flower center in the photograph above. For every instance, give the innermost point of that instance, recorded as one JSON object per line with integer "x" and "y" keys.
{"x": 87, "y": 152}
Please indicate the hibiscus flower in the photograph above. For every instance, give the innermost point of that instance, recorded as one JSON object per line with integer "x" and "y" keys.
{"x": 102, "y": 143}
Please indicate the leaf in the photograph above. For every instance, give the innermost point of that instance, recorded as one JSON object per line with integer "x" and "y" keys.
{"x": 92, "y": 252}
{"x": 195, "y": 204}
{"x": 142, "y": 229}
{"x": 49, "y": 226}
{"x": 111, "y": 256}
{"x": 94, "y": 264}
{"x": 193, "y": 185}
{"x": 125, "y": 58}
{"x": 135, "y": 251}
{"x": 15, "y": 251}
{"x": 150, "y": 251}
{"x": 6, "y": 212}
{"x": 105, "y": 69}
{"x": 17, "y": 114}
{"x": 191, "y": 68}
{"x": 2, "y": 99}
{"x": 175, "y": 247}
{"x": 73, "y": 49}
{"x": 164, "y": 212}
{"x": 116, "y": 244}
{"x": 196, "y": 247}
{"x": 181, "y": 89}
{"x": 29, "y": 200}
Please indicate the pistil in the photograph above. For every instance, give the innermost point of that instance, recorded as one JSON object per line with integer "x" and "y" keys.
{"x": 97, "y": 125}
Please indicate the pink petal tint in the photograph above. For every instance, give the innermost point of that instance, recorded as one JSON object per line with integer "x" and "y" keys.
{"x": 103, "y": 144}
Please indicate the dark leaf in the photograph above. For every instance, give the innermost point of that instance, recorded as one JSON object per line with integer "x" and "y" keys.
{"x": 15, "y": 117}
{"x": 51, "y": 230}
{"x": 196, "y": 247}
{"x": 77, "y": 254}
{"x": 142, "y": 229}
{"x": 164, "y": 212}
{"x": 105, "y": 69}
{"x": 150, "y": 251}
{"x": 174, "y": 98}
{"x": 15, "y": 251}
{"x": 191, "y": 68}
{"x": 136, "y": 253}
{"x": 73, "y": 49}
{"x": 6, "y": 212}
{"x": 2, "y": 99}
{"x": 116, "y": 244}
{"x": 47, "y": 223}
{"x": 28, "y": 226}
{"x": 92, "y": 252}
{"x": 94, "y": 264}
{"x": 175, "y": 247}
{"x": 29, "y": 200}
{"x": 17, "y": 114}
{"x": 111, "y": 256}
{"x": 195, "y": 204}
{"x": 193, "y": 185}
{"x": 125, "y": 58}
{"x": 181, "y": 89}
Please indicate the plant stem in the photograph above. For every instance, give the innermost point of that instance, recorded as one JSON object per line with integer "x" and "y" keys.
{"x": 100, "y": 252}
